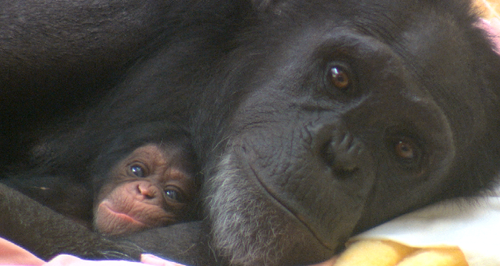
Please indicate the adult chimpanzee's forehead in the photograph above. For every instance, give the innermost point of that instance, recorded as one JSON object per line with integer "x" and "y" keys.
{"x": 385, "y": 18}
{"x": 432, "y": 45}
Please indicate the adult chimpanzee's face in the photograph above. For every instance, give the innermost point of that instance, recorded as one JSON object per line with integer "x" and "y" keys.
{"x": 342, "y": 120}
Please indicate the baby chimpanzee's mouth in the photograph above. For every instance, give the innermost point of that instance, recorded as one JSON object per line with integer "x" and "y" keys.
{"x": 123, "y": 217}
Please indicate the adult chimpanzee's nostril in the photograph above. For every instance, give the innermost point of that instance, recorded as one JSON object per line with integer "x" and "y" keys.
{"x": 327, "y": 153}
{"x": 341, "y": 154}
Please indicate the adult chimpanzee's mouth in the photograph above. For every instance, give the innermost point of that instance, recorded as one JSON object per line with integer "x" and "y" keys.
{"x": 249, "y": 220}
{"x": 286, "y": 208}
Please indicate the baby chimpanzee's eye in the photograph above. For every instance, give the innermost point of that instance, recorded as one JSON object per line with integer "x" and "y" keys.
{"x": 173, "y": 194}
{"x": 138, "y": 170}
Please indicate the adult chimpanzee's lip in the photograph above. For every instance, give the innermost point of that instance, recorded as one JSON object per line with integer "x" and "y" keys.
{"x": 298, "y": 217}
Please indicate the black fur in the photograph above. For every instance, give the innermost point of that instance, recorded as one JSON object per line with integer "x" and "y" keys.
{"x": 293, "y": 164}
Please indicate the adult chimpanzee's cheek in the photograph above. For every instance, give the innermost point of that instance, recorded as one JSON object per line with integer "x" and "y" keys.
{"x": 301, "y": 197}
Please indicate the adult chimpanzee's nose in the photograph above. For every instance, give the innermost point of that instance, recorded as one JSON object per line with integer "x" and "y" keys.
{"x": 341, "y": 154}
{"x": 339, "y": 149}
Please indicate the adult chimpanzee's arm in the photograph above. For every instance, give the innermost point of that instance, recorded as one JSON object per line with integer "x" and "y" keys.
{"x": 47, "y": 233}
{"x": 63, "y": 194}
{"x": 77, "y": 36}
{"x": 191, "y": 243}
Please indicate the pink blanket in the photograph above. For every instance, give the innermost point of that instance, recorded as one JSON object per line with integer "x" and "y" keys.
{"x": 12, "y": 254}
{"x": 493, "y": 28}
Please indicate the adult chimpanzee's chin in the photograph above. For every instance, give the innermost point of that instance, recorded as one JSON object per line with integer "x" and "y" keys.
{"x": 248, "y": 222}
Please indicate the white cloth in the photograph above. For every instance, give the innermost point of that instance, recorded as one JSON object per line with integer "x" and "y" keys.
{"x": 472, "y": 225}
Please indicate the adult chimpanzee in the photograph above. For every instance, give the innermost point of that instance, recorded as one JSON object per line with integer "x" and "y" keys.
{"x": 313, "y": 120}
{"x": 142, "y": 179}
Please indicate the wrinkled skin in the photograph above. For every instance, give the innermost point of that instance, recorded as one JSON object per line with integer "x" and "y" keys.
{"x": 316, "y": 120}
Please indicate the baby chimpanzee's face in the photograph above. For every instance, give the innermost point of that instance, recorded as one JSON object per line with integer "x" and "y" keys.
{"x": 149, "y": 188}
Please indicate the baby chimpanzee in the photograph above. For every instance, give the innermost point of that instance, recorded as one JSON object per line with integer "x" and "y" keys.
{"x": 141, "y": 179}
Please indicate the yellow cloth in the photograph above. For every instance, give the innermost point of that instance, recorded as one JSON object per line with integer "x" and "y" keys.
{"x": 390, "y": 253}
{"x": 488, "y": 8}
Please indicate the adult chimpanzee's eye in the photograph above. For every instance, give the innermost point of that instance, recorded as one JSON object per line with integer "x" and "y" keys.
{"x": 173, "y": 194}
{"x": 405, "y": 150}
{"x": 339, "y": 77}
{"x": 138, "y": 170}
